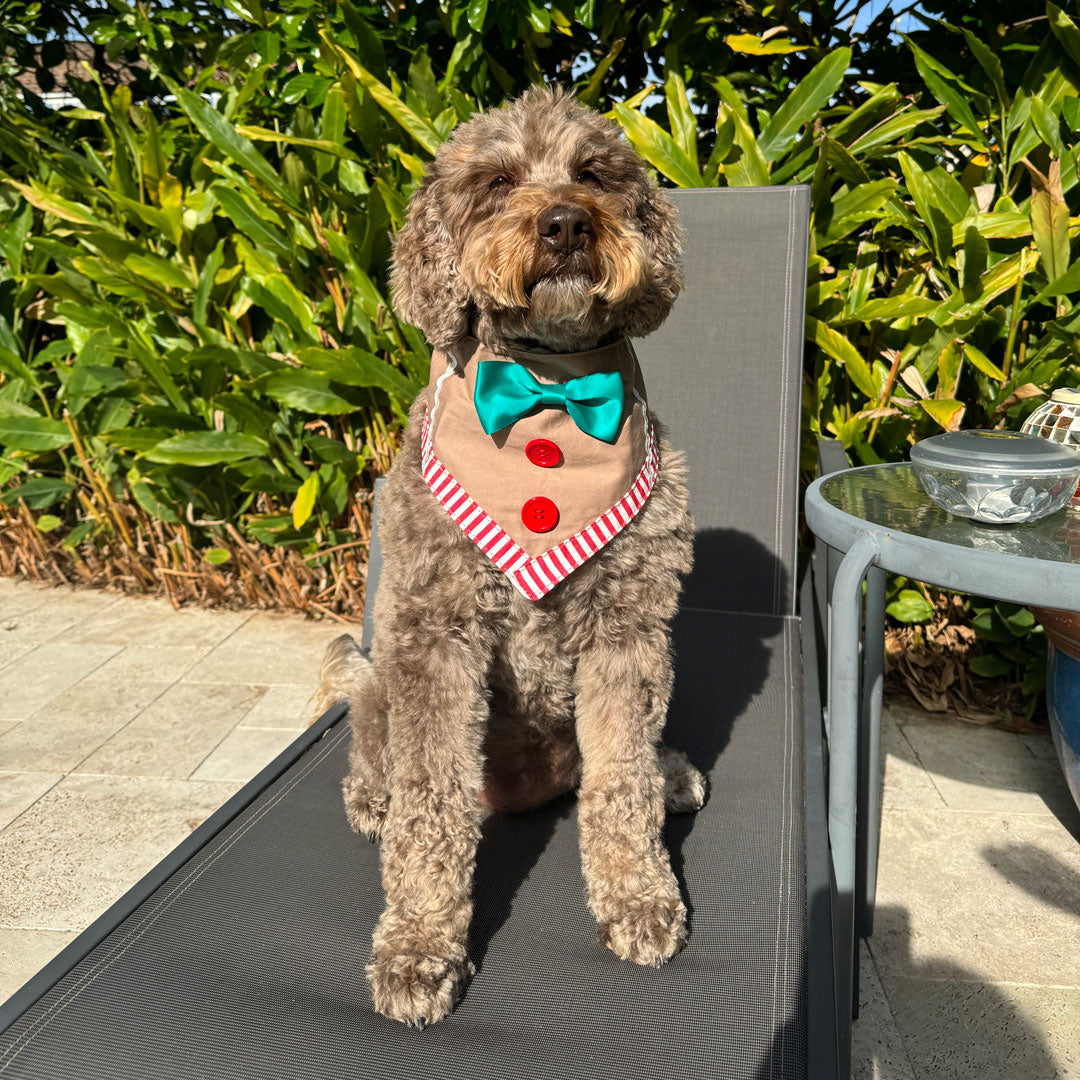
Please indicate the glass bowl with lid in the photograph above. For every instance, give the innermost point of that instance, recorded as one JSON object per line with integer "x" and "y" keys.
{"x": 1002, "y": 477}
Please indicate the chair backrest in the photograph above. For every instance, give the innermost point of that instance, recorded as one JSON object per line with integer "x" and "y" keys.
{"x": 724, "y": 375}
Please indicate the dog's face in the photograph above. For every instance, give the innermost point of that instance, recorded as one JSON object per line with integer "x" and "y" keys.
{"x": 536, "y": 222}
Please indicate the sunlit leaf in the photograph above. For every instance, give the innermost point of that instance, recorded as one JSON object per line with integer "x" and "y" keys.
{"x": 205, "y": 448}
{"x": 841, "y": 350}
{"x": 910, "y": 607}
{"x": 803, "y": 103}
{"x": 946, "y": 412}
{"x": 752, "y": 45}
{"x": 304, "y": 503}
{"x": 658, "y": 148}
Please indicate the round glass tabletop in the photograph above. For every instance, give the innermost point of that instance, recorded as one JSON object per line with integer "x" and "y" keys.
{"x": 1036, "y": 562}
{"x": 891, "y": 497}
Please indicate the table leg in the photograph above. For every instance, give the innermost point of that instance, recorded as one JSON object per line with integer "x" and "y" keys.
{"x": 844, "y": 673}
{"x": 869, "y": 809}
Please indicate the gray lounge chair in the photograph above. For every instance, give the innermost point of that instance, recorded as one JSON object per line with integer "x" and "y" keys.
{"x": 242, "y": 955}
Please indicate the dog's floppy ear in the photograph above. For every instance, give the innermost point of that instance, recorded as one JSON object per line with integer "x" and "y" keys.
{"x": 426, "y": 287}
{"x": 658, "y": 220}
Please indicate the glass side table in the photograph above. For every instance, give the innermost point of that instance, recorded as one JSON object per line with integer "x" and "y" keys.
{"x": 882, "y": 520}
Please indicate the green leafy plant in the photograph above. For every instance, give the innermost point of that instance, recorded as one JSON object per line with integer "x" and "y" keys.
{"x": 941, "y": 268}
{"x": 1016, "y": 647}
{"x": 195, "y": 339}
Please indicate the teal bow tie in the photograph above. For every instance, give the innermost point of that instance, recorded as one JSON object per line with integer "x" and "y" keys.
{"x": 505, "y": 392}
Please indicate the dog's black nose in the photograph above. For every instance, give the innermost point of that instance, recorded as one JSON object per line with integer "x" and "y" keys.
{"x": 565, "y": 228}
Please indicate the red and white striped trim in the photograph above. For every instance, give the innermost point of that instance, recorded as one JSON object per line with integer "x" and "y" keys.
{"x": 535, "y": 577}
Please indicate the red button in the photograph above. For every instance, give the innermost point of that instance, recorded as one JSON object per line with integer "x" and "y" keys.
{"x": 540, "y": 514}
{"x": 543, "y": 452}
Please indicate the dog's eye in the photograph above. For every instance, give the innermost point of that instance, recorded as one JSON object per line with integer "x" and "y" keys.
{"x": 500, "y": 181}
{"x": 587, "y": 176}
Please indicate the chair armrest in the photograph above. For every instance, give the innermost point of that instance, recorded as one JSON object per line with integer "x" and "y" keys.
{"x": 831, "y": 457}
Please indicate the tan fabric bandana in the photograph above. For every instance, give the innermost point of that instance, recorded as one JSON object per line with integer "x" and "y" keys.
{"x": 539, "y": 497}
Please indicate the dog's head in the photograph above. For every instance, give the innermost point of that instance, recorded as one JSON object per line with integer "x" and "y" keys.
{"x": 537, "y": 222}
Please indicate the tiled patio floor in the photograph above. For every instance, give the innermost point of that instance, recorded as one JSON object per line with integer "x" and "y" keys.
{"x": 123, "y": 724}
{"x": 973, "y": 970}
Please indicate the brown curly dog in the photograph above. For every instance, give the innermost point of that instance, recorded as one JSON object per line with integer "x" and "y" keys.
{"x": 537, "y": 233}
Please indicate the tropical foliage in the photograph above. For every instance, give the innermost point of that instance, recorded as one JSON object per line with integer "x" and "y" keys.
{"x": 193, "y": 314}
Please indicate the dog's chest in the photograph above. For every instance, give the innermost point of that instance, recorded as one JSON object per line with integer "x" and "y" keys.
{"x": 541, "y": 496}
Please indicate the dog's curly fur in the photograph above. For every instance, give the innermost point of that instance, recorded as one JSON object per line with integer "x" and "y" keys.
{"x": 476, "y": 698}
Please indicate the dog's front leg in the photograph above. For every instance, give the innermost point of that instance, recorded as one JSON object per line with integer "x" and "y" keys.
{"x": 622, "y": 695}
{"x": 437, "y": 716}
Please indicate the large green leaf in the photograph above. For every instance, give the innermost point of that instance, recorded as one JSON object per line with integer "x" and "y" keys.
{"x": 681, "y": 119}
{"x": 419, "y": 128}
{"x": 942, "y": 83}
{"x": 259, "y": 134}
{"x": 749, "y": 167}
{"x": 887, "y": 133}
{"x": 1064, "y": 29}
{"x": 39, "y": 492}
{"x": 896, "y": 307}
{"x": 971, "y": 299}
{"x": 910, "y": 607}
{"x": 245, "y": 217}
{"x": 842, "y": 350}
{"x": 357, "y": 367}
{"x": 206, "y": 448}
{"x": 33, "y": 433}
{"x": 658, "y": 148}
{"x": 989, "y": 62}
{"x": 163, "y": 272}
{"x": 803, "y": 104}
{"x": 1050, "y": 221}
{"x": 929, "y": 204}
{"x": 305, "y": 390}
{"x": 946, "y": 412}
{"x": 847, "y": 212}
{"x": 217, "y": 130}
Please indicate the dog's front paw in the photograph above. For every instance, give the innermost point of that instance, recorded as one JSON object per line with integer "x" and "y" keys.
{"x": 646, "y": 932}
{"x": 684, "y": 786}
{"x": 414, "y": 988}
{"x": 365, "y": 812}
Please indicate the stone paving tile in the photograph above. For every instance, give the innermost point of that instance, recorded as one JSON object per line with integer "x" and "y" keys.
{"x": 268, "y": 649}
{"x": 998, "y": 895}
{"x": 145, "y": 620}
{"x": 243, "y": 753}
{"x": 18, "y": 790}
{"x": 11, "y": 650}
{"x": 173, "y": 735}
{"x": 6, "y": 726}
{"x": 152, "y": 663}
{"x": 961, "y": 1030}
{"x": 25, "y": 952}
{"x": 75, "y": 723}
{"x": 286, "y": 706}
{"x": 905, "y": 783}
{"x": 89, "y": 839}
{"x": 18, "y": 596}
{"x": 981, "y": 768}
{"x": 38, "y": 677}
{"x": 1040, "y": 746}
{"x": 61, "y": 608}
{"x": 877, "y": 1049}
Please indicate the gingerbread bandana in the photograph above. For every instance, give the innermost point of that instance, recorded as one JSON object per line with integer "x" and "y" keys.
{"x": 540, "y": 458}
